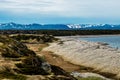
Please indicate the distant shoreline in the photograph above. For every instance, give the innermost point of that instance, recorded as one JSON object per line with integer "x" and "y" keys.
{"x": 87, "y": 36}
{"x": 63, "y": 32}
{"x": 78, "y": 36}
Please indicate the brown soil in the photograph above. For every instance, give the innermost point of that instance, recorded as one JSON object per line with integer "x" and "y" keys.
{"x": 59, "y": 61}
{"x": 53, "y": 59}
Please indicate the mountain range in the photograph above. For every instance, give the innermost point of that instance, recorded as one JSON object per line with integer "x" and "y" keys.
{"x": 35, "y": 26}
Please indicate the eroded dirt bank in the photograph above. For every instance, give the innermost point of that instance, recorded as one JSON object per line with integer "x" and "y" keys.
{"x": 57, "y": 60}
{"x": 99, "y": 56}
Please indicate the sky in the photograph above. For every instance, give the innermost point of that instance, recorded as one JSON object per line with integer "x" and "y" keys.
{"x": 60, "y": 11}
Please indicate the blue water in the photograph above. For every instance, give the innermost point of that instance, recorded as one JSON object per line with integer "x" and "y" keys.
{"x": 112, "y": 40}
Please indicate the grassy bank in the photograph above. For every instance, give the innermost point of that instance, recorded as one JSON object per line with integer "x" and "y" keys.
{"x": 18, "y": 62}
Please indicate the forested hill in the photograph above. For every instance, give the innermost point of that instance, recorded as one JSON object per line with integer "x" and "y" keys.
{"x": 62, "y": 32}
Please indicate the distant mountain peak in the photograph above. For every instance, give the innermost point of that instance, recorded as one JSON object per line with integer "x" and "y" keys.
{"x": 36, "y": 26}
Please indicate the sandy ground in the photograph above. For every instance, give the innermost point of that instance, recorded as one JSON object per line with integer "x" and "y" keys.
{"x": 99, "y": 56}
{"x": 54, "y": 59}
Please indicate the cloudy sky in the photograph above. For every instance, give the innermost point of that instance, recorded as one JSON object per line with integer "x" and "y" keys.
{"x": 60, "y": 11}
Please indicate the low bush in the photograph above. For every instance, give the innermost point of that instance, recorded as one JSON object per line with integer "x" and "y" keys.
{"x": 10, "y": 53}
{"x": 6, "y": 73}
{"x": 39, "y": 38}
{"x": 32, "y": 65}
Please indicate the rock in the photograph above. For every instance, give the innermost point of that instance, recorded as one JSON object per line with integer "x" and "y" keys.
{"x": 102, "y": 43}
{"x": 46, "y": 66}
{"x": 58, "y": 71}
{"x": 87, "y": 75}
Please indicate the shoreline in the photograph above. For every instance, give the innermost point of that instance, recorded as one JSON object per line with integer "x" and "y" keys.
{"x": 89, "y": 54}
{"x": 90, "y": 35}
{"x": 69, "y": 67}
{"x": 86, "y": 36}
{"x": 94, "y": 36}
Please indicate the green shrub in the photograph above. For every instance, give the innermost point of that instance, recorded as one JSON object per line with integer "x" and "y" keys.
{"x": 14, "y": 49}
{"x": 6, "y": 73}
{"x": 10, "y": 53}
{"x": 9, "y": 75}
{"x": 42, "y": 38}
{"x": 32, "y": 66}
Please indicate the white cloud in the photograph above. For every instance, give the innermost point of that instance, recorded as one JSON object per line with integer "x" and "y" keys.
{"x": 73, "y": 8}
{"x": 30, "y": 5}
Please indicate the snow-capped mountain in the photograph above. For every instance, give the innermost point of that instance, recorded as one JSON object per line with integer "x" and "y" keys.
{"x": 34, "y": 26}
{"x": 94, "y": 26}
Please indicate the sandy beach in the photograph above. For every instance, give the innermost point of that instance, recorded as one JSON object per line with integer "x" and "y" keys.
{"x": 96, "y": 55}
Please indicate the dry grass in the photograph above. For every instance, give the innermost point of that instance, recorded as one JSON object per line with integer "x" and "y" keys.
{"x": 36, "y": 47}
{"x": 7, "y": 73}
{"x": 90, "y": 78}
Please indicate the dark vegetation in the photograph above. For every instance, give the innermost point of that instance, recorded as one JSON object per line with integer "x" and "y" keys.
{"x": 10, "y": 75}
{"x": 61, "y": 32}
{"x": 33, "y": 65}
{"x": 27, "y": 63}
{"x": 44, "y": 38}
{"x": 12, "y": 48}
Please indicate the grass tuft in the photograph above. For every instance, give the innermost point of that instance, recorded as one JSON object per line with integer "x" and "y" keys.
{"x": 91, "y": 78}
{"x": 8, "y": 74}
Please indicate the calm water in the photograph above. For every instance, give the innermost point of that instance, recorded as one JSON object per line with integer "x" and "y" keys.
{"x": 113, "y": 41}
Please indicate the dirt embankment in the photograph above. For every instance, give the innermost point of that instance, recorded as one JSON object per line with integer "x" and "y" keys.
{"x": 52, "y": 58}
{"x": 62, "y": 63}
{"x": 100, "y": 57}
{"x": 18, "y": 62}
